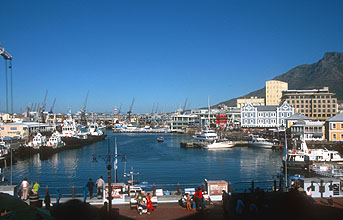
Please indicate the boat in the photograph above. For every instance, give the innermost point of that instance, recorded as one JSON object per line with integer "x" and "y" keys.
{"x": 72, "y": 134}
{"x": 38, "y": 141}
{"x": 160, "y": 139}
{"x": 220, "y": 145}
{"x": 206, "y": 135}
{"x": 260, "y": 143}
{"x": 53, "y": 145}
{"x": 96, "y": 132}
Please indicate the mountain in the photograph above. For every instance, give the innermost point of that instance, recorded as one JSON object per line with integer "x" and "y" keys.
{"x": 327, "y": 72}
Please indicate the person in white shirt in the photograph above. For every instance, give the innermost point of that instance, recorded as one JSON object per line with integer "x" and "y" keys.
{"x": 25, "y": 186}
{"x": 100, "y": 184}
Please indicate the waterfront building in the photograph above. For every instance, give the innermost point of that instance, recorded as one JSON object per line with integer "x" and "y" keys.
{"x": 255, "y": 101}
{"x": 23, "y": 129}
{"x": 309, "y": 130}
{"x": 265, "y": 116}
{"x": 296, "y": 118}
{"x": 179, "y": 122}
{"x": 317, "y": 104}
{"x": 232, "y": 117}
{"x": 334, "y": 128}
{"x": 274, "y": 90}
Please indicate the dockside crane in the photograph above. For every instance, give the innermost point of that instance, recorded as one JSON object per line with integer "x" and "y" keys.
{"x": 41, "y": 109}
{"x": 7, "y": 57}
{"x": 52, "y": 106}
{"x": 83, "y": 120}
{"x": 130, "y": 110}
{"x": 184, "y": 107}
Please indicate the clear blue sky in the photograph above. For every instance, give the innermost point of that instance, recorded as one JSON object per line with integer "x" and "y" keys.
{"x": 158, "y": 51}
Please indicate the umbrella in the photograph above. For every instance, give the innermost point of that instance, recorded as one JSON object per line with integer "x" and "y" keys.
{"x": 18, "y": 209}
{"x": 28, "y": 213}
{"x": 10, "y": 203}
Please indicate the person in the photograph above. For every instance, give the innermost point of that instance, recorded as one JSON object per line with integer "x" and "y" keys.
{"x": 239, "y": 207}
{"x": 35, "y": 188}
{"x": 139, "y": 198}
{"x": 198, "y": 199}
{"x": 149, "y": 202}
{"x": 188, "y": 202}
{"x": 206, "y": 199}
{"x": 90, "y": 186}
{"x": 100, "y": 184}
{"x": 309, "y": 194}
{"x": 330, "y": 201}
{"x": 25, "y": 186}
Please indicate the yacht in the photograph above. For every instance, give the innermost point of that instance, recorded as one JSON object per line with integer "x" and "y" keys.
{"x": 220, "y": 145}
{"x": 206, "y": 136}
{"x": 260, "y": 143}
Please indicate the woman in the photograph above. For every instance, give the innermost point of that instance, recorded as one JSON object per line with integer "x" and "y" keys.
{"x": 149, "y": 203}
{"x": 25, "y": 186}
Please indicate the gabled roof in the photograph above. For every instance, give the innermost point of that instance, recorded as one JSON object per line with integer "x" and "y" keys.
{"x": 298, "y": 116}
{"x": 338, "y": 117}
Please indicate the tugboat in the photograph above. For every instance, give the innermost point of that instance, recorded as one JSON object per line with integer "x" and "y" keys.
{"x": 53, "y": 145}
{"x": 160, "y": 139}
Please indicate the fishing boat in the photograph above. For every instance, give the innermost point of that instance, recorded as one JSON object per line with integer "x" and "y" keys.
{"x": 160, "y": 139}
{"x": 260, "y": 143}
{"x": 220, "y": 145}
{"x": 53, "y": 145}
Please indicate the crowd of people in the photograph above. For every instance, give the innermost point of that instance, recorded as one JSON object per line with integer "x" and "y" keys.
{"x": 198, "y": 201}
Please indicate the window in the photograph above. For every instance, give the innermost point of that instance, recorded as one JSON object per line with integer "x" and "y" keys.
{"x": 341, "y": 136}
{"x": 2, "y": 128}
{"x": 13, "y": 128}
{"x": 334, "y": 136}
{"x": 341, "y": 126}
{"x": 281, "y": 114}
{"x": 333, "y": 125}
{"x": 314, "y": 101}
{"x": 297, "y": 101}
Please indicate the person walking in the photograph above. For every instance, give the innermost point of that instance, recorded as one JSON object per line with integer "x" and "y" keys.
{"x": 90, "y": 186}
{"x": 100, "y": 184}
{"x": 25, "y": 186}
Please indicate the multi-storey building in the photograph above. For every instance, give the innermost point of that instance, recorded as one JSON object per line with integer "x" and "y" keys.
{"x": 274, "y": 90}
{"x": 317, "y": 104}
{"x": 179, "y": 122}
{"x": 309, "y": 130}
{"x": 334, "y": 128}
{"x": 265, "y": 116}
{"x": 255, "y": 101}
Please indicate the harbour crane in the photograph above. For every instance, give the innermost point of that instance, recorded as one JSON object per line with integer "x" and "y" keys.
{"x": 156, "y": 111}
{"x": 83, "y": 120}
{"x": 130, "y": 109}
{"x": 7, "y": 57}
{"x": 41, "y": 109}
{"x": 184, "y": 107}
{"x": 52, "y": 106}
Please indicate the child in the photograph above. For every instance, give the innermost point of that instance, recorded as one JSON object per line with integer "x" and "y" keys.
{"x": 188, "y": 201}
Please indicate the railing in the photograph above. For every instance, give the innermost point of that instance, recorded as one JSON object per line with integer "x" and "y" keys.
{"x": 56, "y": 193}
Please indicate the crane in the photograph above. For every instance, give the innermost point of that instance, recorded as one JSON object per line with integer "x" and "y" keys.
{"x": 184, "y": 106}
{"x": 130, "y": 109}
{"x": 41, "y": 109}
{"x": 83, "y": 120}
{"x": 6, "y": 57}
{"x": 52, "y": 106}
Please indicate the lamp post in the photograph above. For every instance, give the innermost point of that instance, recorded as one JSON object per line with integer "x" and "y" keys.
{"x": 285, "y": 155}
{"x": 109, "y": 158}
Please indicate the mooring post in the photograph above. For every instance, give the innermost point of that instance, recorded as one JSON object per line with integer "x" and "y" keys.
{"x": 178, "y": 189}
{"x": 280, "y": 187}
{"x": 73, "y": 192}
{"x": 57, "y": 196}
{"x": 230, "y": 188}
{"x": 153, "y": 190}
{"x": 252, "y": 186}
{"x": 202, "y": 187}
{"x": 274, "y": 186}
{"x": 128, "y": 190}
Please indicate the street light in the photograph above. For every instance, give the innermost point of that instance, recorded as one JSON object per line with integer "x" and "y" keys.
{"x": 285, "y": 155}
{"x": 109, "y": 158}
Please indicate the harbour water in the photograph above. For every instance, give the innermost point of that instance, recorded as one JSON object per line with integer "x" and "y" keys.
{"x": 159, "y": 163}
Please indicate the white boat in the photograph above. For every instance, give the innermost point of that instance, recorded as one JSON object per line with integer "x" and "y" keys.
{"x": 220, "y": 145}
{"x": 206, "y": 136}
{"x": 319, "y": 155}
{"x": 55, "y": 141}
{"x": 260, "y": 142}
{"x": 38, "y": 141}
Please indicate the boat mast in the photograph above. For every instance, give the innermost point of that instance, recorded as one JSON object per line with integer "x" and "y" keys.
{"x": 209, "y": 110}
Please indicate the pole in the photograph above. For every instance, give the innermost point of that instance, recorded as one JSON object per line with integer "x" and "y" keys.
{"x": 109, "y": 192}
{"x": 115, "y": 160}
{"x": 286, "y": 178}
{"x": 11, "y": 166}
{"x": 11, "y": 81}
{"x": 6, "y": 86}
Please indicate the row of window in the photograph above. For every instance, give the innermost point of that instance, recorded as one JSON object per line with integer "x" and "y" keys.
{"x": 260, "y": 121}
{"x": 334, "y": 136}
{"x": 334, "y": 126}
{"x": 266, "y": 114}
{"x": 310, "y": 96}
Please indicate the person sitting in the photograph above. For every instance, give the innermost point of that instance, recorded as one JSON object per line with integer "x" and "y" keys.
{"x": 206, "y": 199}
{"x": 139, "y": 198}
{"x": 149, "y": 202}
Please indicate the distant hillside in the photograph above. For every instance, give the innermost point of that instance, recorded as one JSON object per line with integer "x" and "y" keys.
{"x": 328, "y": 71}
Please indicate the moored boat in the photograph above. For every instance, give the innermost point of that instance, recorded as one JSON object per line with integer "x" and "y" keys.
{"x": 220, "y": 145}
{"x": 160, "y": 139}
{"x": 260, "y": 143}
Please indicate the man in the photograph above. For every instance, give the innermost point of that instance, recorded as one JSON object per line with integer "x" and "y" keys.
{"x": 139, "y": 198}
{"x": 90, "y": 186}
{"x": 100, "y": 184}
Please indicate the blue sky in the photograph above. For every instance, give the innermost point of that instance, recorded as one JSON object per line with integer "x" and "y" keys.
{"x": 158, "y": 51}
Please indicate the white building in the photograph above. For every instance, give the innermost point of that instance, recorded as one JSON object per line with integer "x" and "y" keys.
{"x": 179, "y": 122}
{"x": 265, "y": 116}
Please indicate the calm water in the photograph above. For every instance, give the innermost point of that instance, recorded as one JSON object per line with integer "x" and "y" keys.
{"x": 159, "y": 163}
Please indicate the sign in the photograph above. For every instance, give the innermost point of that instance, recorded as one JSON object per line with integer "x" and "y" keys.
{"x": 216, "y": 188}
{"x": 115, "y": 192}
